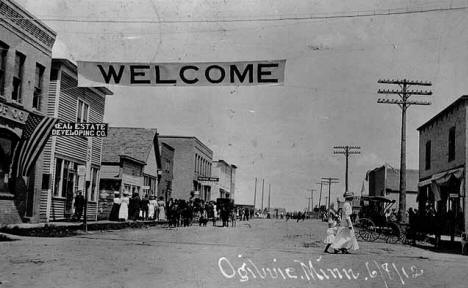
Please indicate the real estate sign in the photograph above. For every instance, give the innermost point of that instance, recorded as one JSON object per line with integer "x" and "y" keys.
{"x": 80, "y": 129}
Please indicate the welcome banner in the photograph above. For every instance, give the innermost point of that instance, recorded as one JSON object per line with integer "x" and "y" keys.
{"x": 245, "y": 73}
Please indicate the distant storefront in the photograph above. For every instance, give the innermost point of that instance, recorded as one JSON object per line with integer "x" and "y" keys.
{"x": 192, "y": 164}
{"x": 226, "y": 174}
{"x": 131, "y": 163}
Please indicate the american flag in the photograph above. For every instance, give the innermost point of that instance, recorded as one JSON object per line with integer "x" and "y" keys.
{"x": 36, "y": 132}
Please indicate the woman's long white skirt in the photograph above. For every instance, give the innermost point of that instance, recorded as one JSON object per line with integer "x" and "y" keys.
{"x": 345, "y": 239}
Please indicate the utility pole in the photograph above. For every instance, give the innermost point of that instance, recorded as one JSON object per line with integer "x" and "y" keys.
{"x": 330, "y": 181}
{"x": 320, "y": 195}
{"x": 346, "y": 150}
{"x": 263, "y": 186}
{"x": 255, "y": 192}
{"x": 311, "y": 200}
{"x": 269, "y": 194}
{"x": 404, "y": 103}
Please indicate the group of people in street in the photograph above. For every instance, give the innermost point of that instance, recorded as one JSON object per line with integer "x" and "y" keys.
{"x": 184, "y": 212}
{"x": 135, "y": 208}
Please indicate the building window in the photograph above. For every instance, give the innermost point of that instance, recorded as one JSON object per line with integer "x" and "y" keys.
{"x": 451, "y": 144}
{"x": 66, "y": 179}
{"x": 3, "y": 59}
{"x": 37, "y": 97}
{"x": 428, "y": 155}
{"x": 58, "y": 177}
{"x": 83, "y": 111}
{"x": 18, "y": 78}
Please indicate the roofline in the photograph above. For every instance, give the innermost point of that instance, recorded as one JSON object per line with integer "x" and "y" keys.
{"x": 132, "y": 159}
{"x": 186, "y": 137}
{"x": 445, "y": 110}
{"x": 385, "y": 165}
{"x": 221, "y": 160}
{"x": 72, "y": 66}
{"x": 168, "y": 146}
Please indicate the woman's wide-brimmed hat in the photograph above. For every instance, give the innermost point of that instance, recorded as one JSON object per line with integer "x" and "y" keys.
{"x": 348, "y": 194}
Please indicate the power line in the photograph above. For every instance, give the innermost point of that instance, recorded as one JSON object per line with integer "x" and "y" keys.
{"x": 403, "y": 102}
{"x": 346, "y": 150}
{"x": 358, "y": 14}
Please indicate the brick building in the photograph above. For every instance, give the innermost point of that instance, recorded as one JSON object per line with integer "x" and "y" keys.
{"x": 167, "y": 166}
{"x": 442, "y": 164}
{"x": 225, "y": 187}
{"x": 63, "y": 154}
{"x": 131, "y": 162}
{"x": 385, "y": 181}
{"x": 25, "y": 60}
{"x": 192, "y": 159}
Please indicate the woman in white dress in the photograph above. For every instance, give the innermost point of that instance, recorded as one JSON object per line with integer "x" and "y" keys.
{"x": 151, "y": 207}
{"x": 123, "y": 211}
{"x": 345, "y": 238}
{"x": 162, "y": 212}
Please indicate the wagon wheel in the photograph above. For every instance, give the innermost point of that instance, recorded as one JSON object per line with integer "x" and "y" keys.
{"x": 393, "y": 233}
{"x": 367, "y": 230}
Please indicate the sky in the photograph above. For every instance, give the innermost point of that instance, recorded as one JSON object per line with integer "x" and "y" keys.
{"x": 283, "y": 134}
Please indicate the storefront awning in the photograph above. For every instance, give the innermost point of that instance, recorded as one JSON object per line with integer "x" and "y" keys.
{"x": 443, "y": 177}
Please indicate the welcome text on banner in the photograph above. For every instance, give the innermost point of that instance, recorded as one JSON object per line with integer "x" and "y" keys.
{"x": 245, "y": 73}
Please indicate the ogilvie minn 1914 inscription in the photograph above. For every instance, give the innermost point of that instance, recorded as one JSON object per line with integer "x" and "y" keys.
{"x": 233, "y": 143}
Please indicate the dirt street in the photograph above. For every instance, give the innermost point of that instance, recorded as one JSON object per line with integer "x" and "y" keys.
{"x": 258, "y": 253}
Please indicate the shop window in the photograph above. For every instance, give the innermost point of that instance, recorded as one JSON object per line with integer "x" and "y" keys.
{"x": 428, "y": 155}
{"x": 66, "y": 178}
{"x": 38, "y": 79}
{"x": 83, "y": 111}
{"x": 3, "y": 60}
{"x": 58, "y": 177}
{"x": 16, "y": 94}
{"x": 451, "y": 144}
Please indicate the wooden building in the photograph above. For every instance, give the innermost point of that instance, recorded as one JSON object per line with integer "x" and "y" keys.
{"x": 131, "y": 162}
{"x": 63, "y": 154}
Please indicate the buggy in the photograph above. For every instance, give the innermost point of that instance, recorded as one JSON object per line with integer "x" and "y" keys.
{"x": 373, "y": 224}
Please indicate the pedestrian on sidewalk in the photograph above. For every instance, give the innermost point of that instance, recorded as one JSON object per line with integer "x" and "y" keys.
{"x": 152, "y": 207}
{"x": 134, "y": 207}
{"x": 345, "y": 239}
{"x": 79, "y": 204}
{"x": 114, "y": 215}
{"x": 144, "y": 207}
{"x": 123, "y": 211}
{"x": 161, "y": 209}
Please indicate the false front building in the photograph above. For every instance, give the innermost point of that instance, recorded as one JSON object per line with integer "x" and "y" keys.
{"x": 226, "y": 185}
{"x": 385, "y": 181}
{"x": 192, "y": 162}
{"x": 64, "y": 154}
{"x": 25, "y": 60}
{"x": 442, "y": 166}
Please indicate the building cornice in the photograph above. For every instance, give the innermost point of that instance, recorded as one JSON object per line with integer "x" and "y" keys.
{"x": 16, "y": 17}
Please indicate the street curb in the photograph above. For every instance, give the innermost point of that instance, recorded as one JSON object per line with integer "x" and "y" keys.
{"x": 60, "y": 230}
